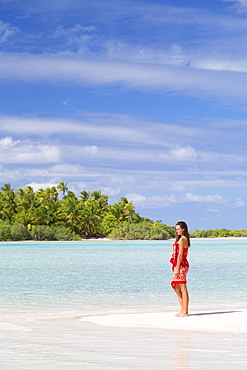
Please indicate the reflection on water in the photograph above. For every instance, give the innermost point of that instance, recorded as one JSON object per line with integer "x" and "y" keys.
{"x": 181, "y": 350}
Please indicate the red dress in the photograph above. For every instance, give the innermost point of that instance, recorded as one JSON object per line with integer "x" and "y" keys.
{"x": 184, "y": 265}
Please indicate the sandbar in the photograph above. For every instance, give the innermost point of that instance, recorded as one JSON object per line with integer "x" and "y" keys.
{"x": 220, "y": 321}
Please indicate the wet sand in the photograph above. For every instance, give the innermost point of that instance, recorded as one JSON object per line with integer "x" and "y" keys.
{"x": 76, "y": 340}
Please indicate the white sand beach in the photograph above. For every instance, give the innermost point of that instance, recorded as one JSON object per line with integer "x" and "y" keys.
{"x": 205, "y": 339}
{"x": 228, "y": 321}
{"x": 121, "y": 341}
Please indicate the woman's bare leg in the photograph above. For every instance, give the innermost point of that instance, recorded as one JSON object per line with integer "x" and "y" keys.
{"x": 184, "y": 300}
{"x": 180, "y": 300}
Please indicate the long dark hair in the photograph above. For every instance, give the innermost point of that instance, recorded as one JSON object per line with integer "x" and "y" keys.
{"x": 183, "y": 226}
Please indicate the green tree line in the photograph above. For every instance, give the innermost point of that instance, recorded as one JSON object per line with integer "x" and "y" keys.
{"x": 56, "y": 213}
{"x": 218, "y": 233}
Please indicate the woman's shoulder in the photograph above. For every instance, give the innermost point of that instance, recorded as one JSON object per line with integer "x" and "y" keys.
{"x": 184, "y": 241}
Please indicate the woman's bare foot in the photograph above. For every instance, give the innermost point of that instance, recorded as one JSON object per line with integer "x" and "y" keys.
{"x": 181, "y": 314}
{"x": 178, "y": 314}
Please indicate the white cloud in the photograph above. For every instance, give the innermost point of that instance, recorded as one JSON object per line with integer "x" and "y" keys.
{"x": 11, "y": 175}
{"x": 7, "y": 142}
{"x": 220, "y": 183}
{"x": 180, "y": 154}
{"x": 174, "y": 186}
{"x": 68, "y": 169}
{"x": 119, "y": 180}
{"x": 66, "y": 101}
{"x": 218, "y": 199}
{"x": 231, "y": 65}
{"x": 144, "y": 14}
{"x": 111, "y": 192}
{"x": 192, "y": 81}
{"x": 7, "y": 31}
{"x": 189, "y": 154}
{"x": 90, "y": 150}
{"x": 101, "y": 126}
{"x": 132, "y": 181}
{"x": 73, "y": 32}
{"x": 27, "y": 152}
{"x": 136, "y": 198}
{"x": 79, "y": 39}
{"x": 240, "y": 5}
{"x": 116, "y": 50}
{"x": 124, "y": 138}
{"x": 36, "y": 186}
{"x": 162, "y": 201}
{"x": 154, "y": 201}
{"x": 238, "y": 203}
{"x": 214, "y": 157}
{"x": 80, "y": 153}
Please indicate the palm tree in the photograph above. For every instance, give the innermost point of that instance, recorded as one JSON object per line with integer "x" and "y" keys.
{"x": 63, "y": 187}
{"x": 96, "y": 195}
{"x": 40, "y": 215}
{"x": 6, "y": 188}
{"x": 90, "y": 218}
{"x": 25, "y": 204}
{"x": 48, "y": 213}
{"x": 129, "y": 211}
{"x": 70, "y": 210}
{"x": 54, "y": 212}
{"x": 41, "y": 195}
{"x": 115, "y": 210}
{"x": 48, "y": 194}
{"x": 53, "y": 193}
{"x": 84, "y": 196}
{"x": 8, "y": 202}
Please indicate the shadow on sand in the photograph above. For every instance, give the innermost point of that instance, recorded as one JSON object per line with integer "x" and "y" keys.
{"x": 212, "y": 313}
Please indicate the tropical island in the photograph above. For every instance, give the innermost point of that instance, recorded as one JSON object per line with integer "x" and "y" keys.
{"x": 56, "y": 213}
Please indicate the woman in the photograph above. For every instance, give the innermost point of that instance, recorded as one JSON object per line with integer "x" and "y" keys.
{"x": 180, "y": 266}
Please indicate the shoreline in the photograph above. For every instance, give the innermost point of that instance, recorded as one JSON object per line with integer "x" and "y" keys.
{"x": 119, "y": 240}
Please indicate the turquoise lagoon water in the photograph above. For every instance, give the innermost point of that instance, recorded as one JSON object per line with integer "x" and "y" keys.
{"x": 46, "y": 288}
{"x": 108, "y": 275}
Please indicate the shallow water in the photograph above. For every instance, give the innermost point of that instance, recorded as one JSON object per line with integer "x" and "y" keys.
{"x": 120, "y": 274}
{"x": 47, "y": 287}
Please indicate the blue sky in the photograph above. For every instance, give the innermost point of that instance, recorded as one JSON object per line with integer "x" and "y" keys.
{"x": 143, "y": 99}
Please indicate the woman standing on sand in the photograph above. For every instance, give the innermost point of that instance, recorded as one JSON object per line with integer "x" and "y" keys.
{"x": 180, "y": 266}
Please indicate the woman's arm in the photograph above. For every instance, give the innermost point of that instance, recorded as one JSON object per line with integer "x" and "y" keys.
{"x": 182, "y": 244}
